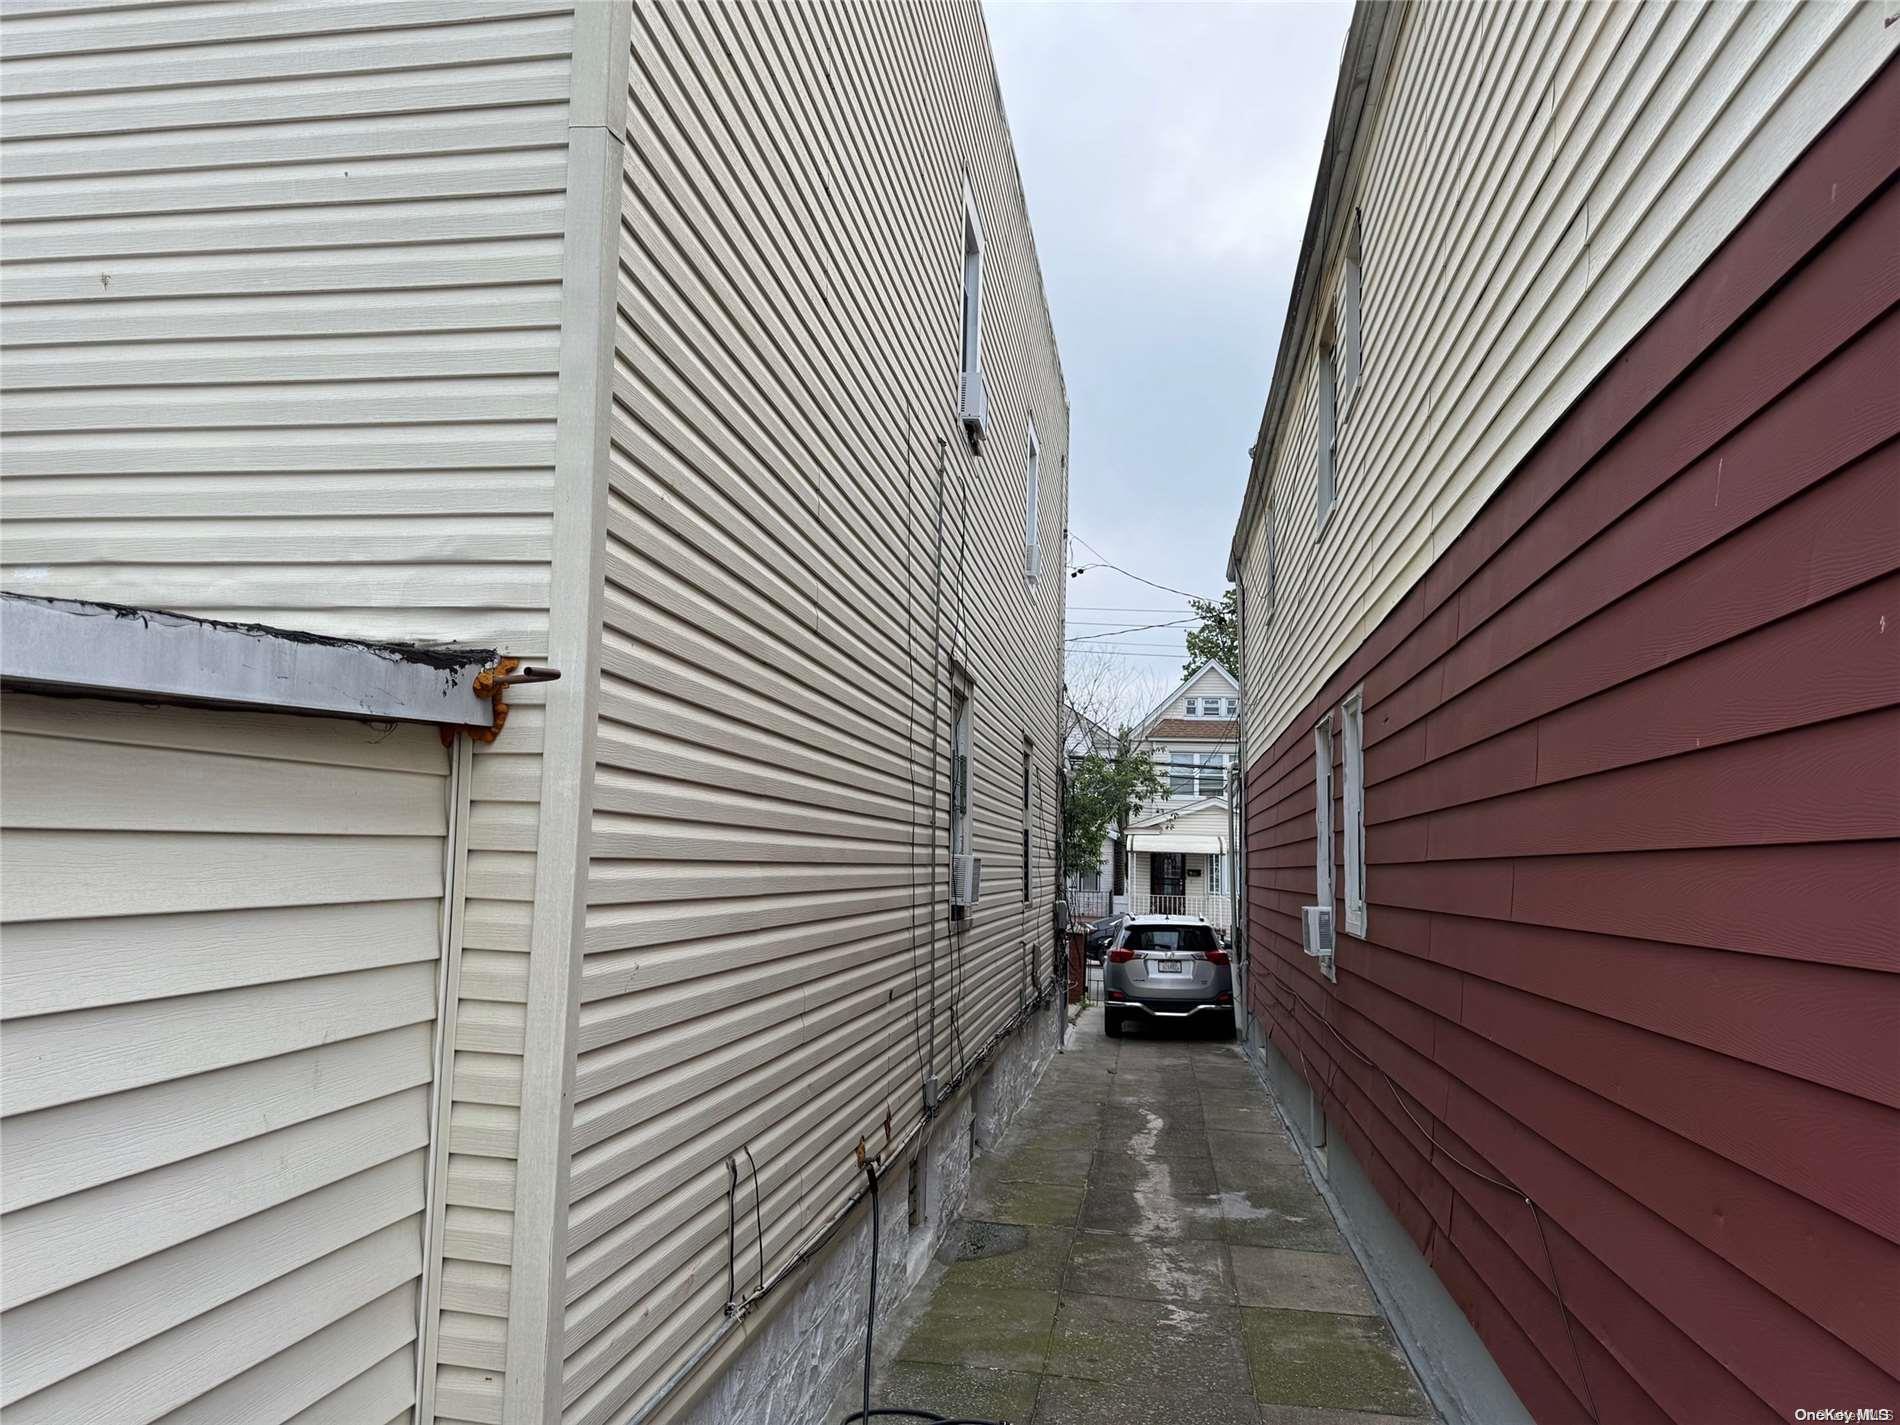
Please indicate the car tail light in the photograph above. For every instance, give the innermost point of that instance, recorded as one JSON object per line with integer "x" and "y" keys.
{"x": 1116, "y": 994}
{"x": 1217, "y": 957}
{"x": 1120, "y": 957}
{"x": 1224, "y": 999}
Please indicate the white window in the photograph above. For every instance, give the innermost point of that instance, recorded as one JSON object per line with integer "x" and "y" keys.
{"x": 1328, "y": 436}
{"x": 1354, "y": 720}
{"x": 975, "y": 403}
{"x": 1182, "y": 774}
{"x": 1323, "y": 809}
{"x": 1233, "y": 707}
{"x": 1032, "y": 499}
{"x": 1213, "y": 774}
{"x": 1349, "y": 338}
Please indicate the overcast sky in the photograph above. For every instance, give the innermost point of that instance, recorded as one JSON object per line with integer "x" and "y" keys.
{"x": 1168, "y": 151}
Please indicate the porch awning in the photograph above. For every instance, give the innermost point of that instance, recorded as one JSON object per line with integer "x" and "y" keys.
{"x": 1175, "y": 841}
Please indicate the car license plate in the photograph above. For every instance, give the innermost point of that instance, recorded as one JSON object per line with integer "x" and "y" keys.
{"x": 1168, "y": 967}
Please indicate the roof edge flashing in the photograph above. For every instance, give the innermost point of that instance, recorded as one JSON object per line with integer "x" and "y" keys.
{"x": 84, "y": 648}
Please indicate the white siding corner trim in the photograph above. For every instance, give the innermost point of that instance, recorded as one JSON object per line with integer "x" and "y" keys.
{"x": 590, "y": 268}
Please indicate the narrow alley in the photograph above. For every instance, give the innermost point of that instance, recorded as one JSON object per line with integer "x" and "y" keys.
{"x": 1144, "y": 1246}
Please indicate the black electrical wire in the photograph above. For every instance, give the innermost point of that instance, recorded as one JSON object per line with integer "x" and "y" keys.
{"x": 891, "y": 1412}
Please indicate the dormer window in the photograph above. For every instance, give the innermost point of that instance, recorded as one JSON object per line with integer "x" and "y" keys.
{"x": 1213, "y": 707}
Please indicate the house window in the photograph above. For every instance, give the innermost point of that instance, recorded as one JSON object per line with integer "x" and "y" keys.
{"x": 1182, "y": 774}
{"x": 975, "y": 404}
{"x": 1328, "y": 437}
{"x": 1233, "y": 707}
{"x": 1213, "y": 778}
{"x": 1323, "y": 809}
{"x": 1032, "y": 497}
{"x": 1349, "y": 335}
{"x": 1354, "y": 812}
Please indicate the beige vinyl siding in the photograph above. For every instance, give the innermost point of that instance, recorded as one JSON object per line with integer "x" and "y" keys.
{"x": 1209, "y": 682}
{"x": 282, "y": 298}
{"x": 763, "y": 890}
{"x": 218, "y": 1082}
{"x": 1535, "y": 185}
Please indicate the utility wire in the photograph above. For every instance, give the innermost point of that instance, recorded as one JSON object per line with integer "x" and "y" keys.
{"x": 1106, "y": 563}
{"x": 1138, "y": 628}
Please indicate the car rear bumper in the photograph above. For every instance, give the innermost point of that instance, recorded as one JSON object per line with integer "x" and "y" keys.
{"x": 1171, "y": 1009}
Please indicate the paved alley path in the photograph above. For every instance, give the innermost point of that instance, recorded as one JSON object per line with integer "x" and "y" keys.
{"x": 1144, "y": 1248}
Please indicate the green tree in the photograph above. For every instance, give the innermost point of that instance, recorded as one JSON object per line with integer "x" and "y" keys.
{"x": 1217, "y": 639}
{"x": 1103, "y": 791}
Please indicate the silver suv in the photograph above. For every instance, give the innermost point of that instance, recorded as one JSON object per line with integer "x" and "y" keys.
{"x": 1168, "y": 967}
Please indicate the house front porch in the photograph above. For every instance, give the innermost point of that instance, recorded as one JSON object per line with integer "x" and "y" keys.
{"x": 1180, "y": 883}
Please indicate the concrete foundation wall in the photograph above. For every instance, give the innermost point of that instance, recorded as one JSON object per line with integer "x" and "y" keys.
{"x": 805, "y": 1348}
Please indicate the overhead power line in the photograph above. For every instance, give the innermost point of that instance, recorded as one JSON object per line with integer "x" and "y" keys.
{"x": 1138, "y": 628}
{"x": 1139, "y": 579}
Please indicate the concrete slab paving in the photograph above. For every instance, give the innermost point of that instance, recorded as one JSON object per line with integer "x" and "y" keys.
{"x": 1104, "y": 1264}
{"x": 1007, "y": 1254}
{"x": 1032, "y": 1204}
{"x": 1324, "y": 1358}
{"x": 1004, "y": 1328}
{"x": 1301, "y": 1281}
{"x": 960, "y": 1391}
{"x": 1120, "y": 1339}
{"x": 1139, "y": 1212}
{"x": 1039, "y": 1163}
{"x": 1144, "y": 1248}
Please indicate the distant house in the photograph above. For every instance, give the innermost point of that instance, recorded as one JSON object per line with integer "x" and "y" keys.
{"x": 1179, "y": 848}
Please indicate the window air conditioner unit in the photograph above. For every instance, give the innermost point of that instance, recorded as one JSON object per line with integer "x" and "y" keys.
{"x": 1317, "y": 924}
{"x": 976, "y": 408}
{"x": 1032, "y": 561}
{"x": 966, "y": 880}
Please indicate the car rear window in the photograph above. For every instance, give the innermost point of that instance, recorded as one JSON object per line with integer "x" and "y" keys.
{"x": 1181, "y": 939}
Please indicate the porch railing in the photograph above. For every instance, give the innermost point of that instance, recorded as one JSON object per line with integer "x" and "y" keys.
{"x": 1088, "y": 905}
{"x": 1216, "y": 910}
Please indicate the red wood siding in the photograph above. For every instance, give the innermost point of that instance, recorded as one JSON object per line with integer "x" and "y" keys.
{"x": 1633, "y": 845}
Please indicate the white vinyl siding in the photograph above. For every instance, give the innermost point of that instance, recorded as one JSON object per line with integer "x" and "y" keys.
{"x": 781, "y": 620}
{"x": 223, "y": 934}
{"x": 1537, "y": 182}
{"x": 282, "y": 294}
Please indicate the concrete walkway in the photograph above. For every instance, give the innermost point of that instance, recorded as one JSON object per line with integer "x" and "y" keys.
{"x": 1144, "y": 1248}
